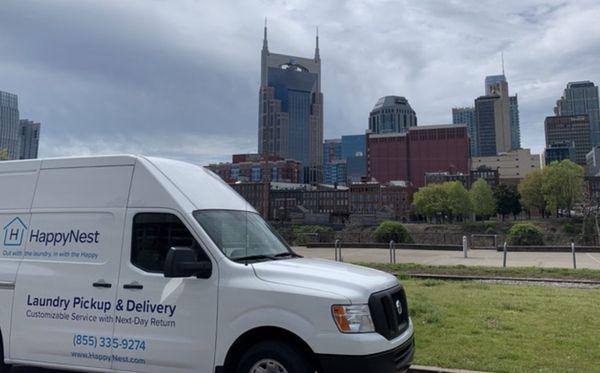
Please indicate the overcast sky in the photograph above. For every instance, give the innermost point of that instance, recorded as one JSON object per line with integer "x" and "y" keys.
{"x": 179, "y": 78}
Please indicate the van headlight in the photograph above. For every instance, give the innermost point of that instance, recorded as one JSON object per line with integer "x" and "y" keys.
{"x": 353, "y": 318}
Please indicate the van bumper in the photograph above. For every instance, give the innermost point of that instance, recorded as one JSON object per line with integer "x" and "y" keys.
{"x": 397, "y": 360}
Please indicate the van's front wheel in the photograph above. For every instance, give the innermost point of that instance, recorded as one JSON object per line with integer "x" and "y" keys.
{"x": 274, "y": 357}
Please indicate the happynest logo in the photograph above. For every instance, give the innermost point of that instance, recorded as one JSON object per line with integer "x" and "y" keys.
{"x": 14, "y": 232}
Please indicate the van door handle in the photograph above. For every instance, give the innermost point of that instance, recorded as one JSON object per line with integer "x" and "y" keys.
{"x": 133, "y": 286}
{"x": 102, "y": 284}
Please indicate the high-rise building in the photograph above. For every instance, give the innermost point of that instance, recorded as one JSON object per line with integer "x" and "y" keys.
{"x": 507, "y": 132}
{"x": 291, "y": 109}
{"x": 334, "y": 166}
{"x": 9, "y": 126}
{"x": 581, "y": 98}
{"x": 354, "y": 151}
{"x": 499, "y": 88}
{"x": 492, "y": 80}
{"x": 466, "y": 115}
{"x": 515, "y": 123}
{"x": 409, "y": 156}
{"x": 335, "y": 172}
{"x": 29, "y": 139}
{"x": 559, "y": 151}
{"x": 332, "y": 150}
{"x": 392, "y": 114}
{"x": 486, "y": 114}
{"x": 573, "y": 129}
{"x": 344, "y": 160}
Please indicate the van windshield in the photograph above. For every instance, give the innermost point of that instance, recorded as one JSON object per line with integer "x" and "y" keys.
{"x": 243, "y": 235}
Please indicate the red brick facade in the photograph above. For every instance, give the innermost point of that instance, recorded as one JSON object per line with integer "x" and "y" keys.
{"x": 422, "y": 149}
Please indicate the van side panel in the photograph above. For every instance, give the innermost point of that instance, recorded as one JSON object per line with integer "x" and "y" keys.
{"x": 17, "y": 185}
{"x": 83, "y": 187}
{"x": 72, "y": 244}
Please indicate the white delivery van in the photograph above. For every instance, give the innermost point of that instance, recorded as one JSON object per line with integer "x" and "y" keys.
{"x": 139, "y": 264}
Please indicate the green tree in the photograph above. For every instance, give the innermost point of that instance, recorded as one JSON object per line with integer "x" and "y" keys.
{"x": 3, "y": 154}
{"x": 459, "y": 202}
{"x": 507, "y": 200}
{"x": 392, "y": 230}
{"x": 482, "y": 198}
{"x": 562, "y": 185}
{"x": 431, "y": 200}
{"x": 530, "y": 189}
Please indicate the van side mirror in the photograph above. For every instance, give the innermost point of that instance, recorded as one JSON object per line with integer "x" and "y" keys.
{"x": 183, "y": 262}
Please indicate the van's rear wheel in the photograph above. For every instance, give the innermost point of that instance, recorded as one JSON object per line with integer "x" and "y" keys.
{"x": 274, "y": 357}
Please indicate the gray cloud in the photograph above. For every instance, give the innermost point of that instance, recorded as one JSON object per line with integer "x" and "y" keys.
{"x": 180, "y": 78}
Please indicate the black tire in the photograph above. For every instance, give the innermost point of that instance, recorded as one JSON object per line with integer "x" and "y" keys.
{"x": 3, "y": 367}
{"x": 292, "y": 359}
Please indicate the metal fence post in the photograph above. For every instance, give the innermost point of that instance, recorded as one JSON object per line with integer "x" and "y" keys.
{"x": 392, "y": 252}
{"x": 504, "y": 255}
{"x": 465, "y": 246}
{"x": 573, "y": 251}
{"x": 340, "y": 250}
{"x": 335, "y": 249}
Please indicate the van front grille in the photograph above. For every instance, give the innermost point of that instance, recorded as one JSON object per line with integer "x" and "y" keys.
{"x": 390, "y": 312}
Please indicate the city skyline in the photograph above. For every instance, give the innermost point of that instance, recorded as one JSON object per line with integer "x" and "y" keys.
{"x": 158, "y": 77}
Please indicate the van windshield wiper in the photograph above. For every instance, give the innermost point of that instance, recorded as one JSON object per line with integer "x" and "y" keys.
{"x": 265, "y": 256}
{"x": 254, "y": 257}
{"x": 287, "y": 254}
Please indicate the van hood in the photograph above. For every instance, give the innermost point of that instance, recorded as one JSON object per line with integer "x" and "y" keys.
{"x": 353, "y": 282}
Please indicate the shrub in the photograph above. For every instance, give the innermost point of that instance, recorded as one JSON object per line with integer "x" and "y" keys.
{"x": 525, "y": 234}
{"x": 569, "y": 228}
{"x": 392, "y": 230}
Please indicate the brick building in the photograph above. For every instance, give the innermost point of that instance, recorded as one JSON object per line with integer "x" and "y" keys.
{"x": 251, "y": 168}
{"x": 282, "y": 201}
{"x": 408, "y": 156}
{"x": 370, "y": 198}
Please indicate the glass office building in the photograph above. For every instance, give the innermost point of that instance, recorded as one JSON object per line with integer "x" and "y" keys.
{"x": 354, "y": 151}
{"x": 344, "y": 160}
{"x": 485, "y": 119}
{"x": 332, "y": 155}
{"x": 466, "y": 115}
{"x": 582, "y": 98}
{"x": 9, "y": 125}
{"x": 291, "y": 110}
{"x": 29, "y": 138}
{"x": 515, "y": 125}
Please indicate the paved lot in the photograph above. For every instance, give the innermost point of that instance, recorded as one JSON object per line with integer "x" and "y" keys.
{"x": 488, "y": 258}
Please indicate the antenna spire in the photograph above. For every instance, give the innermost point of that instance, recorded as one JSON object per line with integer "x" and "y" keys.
{"x": 317, "y": 56}
{"x": 265, "y": 42}
{"x": 502, "y": 56}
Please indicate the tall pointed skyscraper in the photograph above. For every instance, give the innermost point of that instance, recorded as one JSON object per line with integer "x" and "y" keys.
{"x": 290, "y": 114}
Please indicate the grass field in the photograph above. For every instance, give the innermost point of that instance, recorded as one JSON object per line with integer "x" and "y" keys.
{"x": 535, "y": 272}
{"x": 505, "y": 328}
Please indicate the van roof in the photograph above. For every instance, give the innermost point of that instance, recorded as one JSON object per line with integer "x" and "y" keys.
{"x": 65, "y": 162}
{"x": 200, "y": 186}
